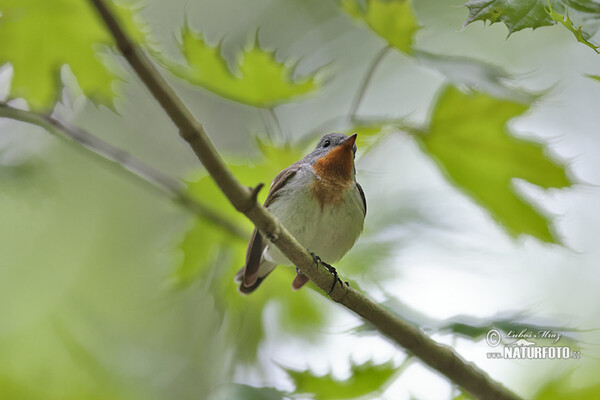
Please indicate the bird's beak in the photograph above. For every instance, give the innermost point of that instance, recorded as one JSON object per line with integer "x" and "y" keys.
{"x": 350, "y": 141}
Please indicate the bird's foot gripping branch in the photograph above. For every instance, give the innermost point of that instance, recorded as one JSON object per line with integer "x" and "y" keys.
{"x": 331, "y": 269}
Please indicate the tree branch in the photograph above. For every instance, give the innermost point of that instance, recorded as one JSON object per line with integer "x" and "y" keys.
{"x": 410, "y": 337}
{"x": 125, "y": 162}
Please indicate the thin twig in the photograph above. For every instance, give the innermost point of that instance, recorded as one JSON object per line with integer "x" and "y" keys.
{"x": 125, "y": 162}
{"x": 262, "y": 113}
{"x": 437, "y": 356}
{"x": 275, "y": 119}
{"x": 366, "y": 81}
{"x": 256, "y": 190}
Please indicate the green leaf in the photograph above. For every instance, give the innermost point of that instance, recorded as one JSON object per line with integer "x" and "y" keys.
{"x": 469, "y": 140}
{"x": 563, "y": 388}
{"x": 587, "y": 13}
{"x": 365, "y": 379}
{"x": 474, "y": 74}
{"x": 394, "y": 20}
{"x": 595, "y": 77}
{"x": 38, "y": 37}
{"x": 516, "y": 15}
{"x": 245, "y": 392}
{"x": 464, "y": 396}
{"x": 566, "y": 21}
{"x": 259, "y": 79}
{"x": 198, "y": 252}
{"x": 368, "y": 136}
{"x": 476, "y": 328}
{"x": 587, "y": 6}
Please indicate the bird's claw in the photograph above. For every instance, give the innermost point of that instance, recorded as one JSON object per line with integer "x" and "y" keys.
{"x": 330, "y": 268}
{"x": 316, "y": 258}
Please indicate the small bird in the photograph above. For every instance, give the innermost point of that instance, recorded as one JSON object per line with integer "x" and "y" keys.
{"x": 318, "y": 200}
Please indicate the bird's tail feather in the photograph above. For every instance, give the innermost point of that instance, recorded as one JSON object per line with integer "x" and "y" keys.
{"x": 264, "y": 270}
{"x": 299, "y": 281}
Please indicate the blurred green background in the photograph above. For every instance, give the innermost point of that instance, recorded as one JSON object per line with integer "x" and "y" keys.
{"x": 479, "y": 155}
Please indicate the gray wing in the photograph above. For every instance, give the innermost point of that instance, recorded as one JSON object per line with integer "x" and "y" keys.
{"x": 256, "y": 247}
{"x": 362, "y": 195}
{"x": 280, "y": 181}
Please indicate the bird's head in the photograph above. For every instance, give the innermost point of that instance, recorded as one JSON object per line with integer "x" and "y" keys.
{"x": 334, "y": 156}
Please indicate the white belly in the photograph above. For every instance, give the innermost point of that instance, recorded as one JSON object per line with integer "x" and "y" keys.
{"x": 329, "y": 232}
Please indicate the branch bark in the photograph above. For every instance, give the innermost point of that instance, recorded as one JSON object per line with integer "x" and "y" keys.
{"x": 437, "y": 356}
{"x": 124, "y": 161}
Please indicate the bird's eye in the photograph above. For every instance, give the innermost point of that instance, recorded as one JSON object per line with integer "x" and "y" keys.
{"x": 326, "y": 143}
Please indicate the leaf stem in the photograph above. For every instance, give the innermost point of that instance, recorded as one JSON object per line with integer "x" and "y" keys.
{"x": 271, "y": 111}
{"x": 366, "y": 81}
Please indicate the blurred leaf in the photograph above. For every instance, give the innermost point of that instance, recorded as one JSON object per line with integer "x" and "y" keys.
{"x": 259, "y": 80}
{"x": 38, "y": 37}
{"x": 474, "y": 74}
{"x": 566, "y": 21}
{"x": 203, "y": 243}
{"x": 584, "y": 5}
{"x": 561, "y": 388}
{"x": 367, "y": 257}
{"x": 16, "y": 390}
{"x": 586, "y": 13}
{"x": 62, "y": 377}
{"x": 365, "y": 379}
{"x": 596, "y": 77}
{"x": 476, "y": 328}
{"x": 516, "y": 15}
{"x": 468, "y": 138}
{"x": 464, "y": 396}
{"x": 85, "y": 359}
{"x": 394, "y": 20}
{"x": 31, "y": 181}
{"x": 13, "y": 389}
{"x": 368, "y": 136}
{"x": 210, "y": 255}
{"x": 245, "y": 392}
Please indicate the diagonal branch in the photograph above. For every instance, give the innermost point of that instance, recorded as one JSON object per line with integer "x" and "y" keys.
{"x": 437, "y": 356}
{"x": 125, "y": 161}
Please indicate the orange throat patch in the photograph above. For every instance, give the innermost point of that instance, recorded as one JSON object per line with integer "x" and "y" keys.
{"x": 334, "y": 172}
